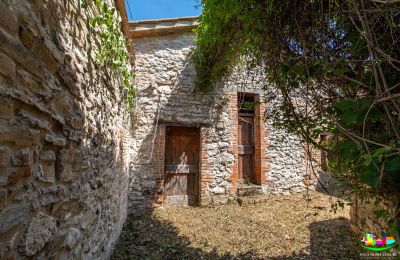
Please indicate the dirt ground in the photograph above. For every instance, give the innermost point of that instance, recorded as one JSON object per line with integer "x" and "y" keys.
{"x": 290, "y": 227}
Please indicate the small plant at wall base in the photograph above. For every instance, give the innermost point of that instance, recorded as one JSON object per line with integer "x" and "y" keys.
{"x": 113, "y": 50}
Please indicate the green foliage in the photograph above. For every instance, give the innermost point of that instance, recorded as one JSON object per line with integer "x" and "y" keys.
{"x": 113, "y": 47}
{"x": 381, "y": 213}
{"x": 336, "y": 206}
{"x": 249, "y": 105}
{"x": 330, "y": 67}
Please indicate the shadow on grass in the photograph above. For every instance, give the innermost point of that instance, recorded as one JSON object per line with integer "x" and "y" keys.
{"x": 146, "y": 237}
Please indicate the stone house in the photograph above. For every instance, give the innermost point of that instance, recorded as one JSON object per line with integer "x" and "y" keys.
{"x": 195, "y": 148}
{"x": 70, "y": 164}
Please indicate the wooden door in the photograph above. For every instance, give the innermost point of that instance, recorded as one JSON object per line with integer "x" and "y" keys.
{"x": 182, "y": 166}
{"x": 246, "y": 146}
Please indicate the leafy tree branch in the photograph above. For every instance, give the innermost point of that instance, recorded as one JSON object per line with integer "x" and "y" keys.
{"x": 330, "y": 67}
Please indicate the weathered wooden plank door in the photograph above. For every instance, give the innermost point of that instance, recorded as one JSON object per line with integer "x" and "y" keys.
{"x": 182, "y": 165}
{"x": 246, "y": 146}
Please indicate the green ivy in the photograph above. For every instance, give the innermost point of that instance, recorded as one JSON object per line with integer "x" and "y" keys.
{"x": 113, "y": 49}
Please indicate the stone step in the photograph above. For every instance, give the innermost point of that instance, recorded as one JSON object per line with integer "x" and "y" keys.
{"x": 249, "y": 191}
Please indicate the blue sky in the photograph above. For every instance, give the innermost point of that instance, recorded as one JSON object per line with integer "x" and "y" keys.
{"x": 157, "y": 9}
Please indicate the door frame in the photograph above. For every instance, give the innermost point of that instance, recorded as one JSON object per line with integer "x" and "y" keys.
{"x": 253, "y": 114}
{"x": 198, "y": 130}
{"x": 261, "y": 160}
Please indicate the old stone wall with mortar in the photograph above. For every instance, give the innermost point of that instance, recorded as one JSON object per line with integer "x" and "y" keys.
{"x": 63, "y": 141}
{"x": 287, "y": 162}
{"x": 165, "y": 83}
{"x": 373, "y": 214}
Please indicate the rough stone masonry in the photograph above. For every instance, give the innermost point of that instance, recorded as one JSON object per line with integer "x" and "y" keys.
{"x": 63, "y": 167}
{"x": 165, "y": 96}
{"x": 64, "y": 140}
{"x": 165, "y": 85}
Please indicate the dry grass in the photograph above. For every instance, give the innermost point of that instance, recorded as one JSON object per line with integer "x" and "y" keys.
{"x": 283, "y": 228}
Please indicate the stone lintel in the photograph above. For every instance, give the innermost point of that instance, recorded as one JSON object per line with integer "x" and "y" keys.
{"x": 159, "y": 27}
{"x": 177, "y": 122}
{"x": 249, "y": 90}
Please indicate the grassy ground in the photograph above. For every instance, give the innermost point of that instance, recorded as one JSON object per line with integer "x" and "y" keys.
{"x": 282, "y": 228}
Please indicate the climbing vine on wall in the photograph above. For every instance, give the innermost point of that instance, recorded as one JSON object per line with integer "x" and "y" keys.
{"x": 113, "y": 48}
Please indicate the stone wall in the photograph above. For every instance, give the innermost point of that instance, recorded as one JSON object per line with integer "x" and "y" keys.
{"x": 164, "y": 80}
{"x": 373, "y": 215}
{"x": 287, "y": 164}
{"x": 63, "y": 172}
{"x": 165, "y": 96}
